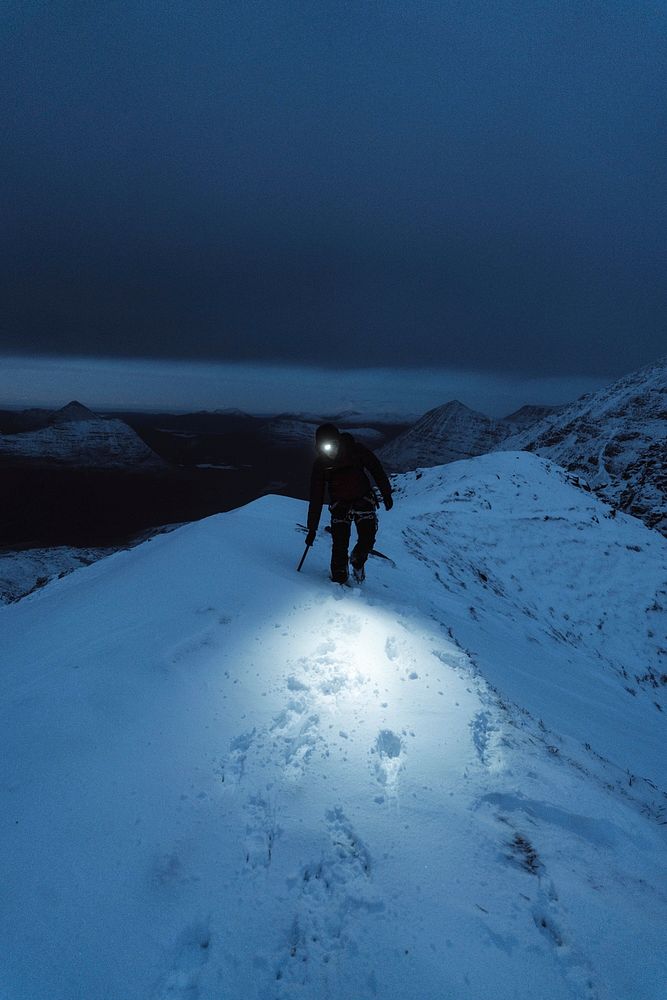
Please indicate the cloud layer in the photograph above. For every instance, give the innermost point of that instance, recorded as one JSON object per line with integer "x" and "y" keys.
{"x": 135, "y": 384}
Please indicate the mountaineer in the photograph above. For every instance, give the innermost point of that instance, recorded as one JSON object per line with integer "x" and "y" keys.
{"x": 341, "y": 468}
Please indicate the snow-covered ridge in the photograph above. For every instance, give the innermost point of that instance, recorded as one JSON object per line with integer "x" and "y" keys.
{"x": 75, "y": 436}
{"x": 515, "y": 533}
{"x": 220, "y": 776}
{"x": 617, "y": 439}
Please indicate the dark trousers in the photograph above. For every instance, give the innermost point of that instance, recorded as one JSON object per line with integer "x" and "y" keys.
{"x": 343, "y": 513}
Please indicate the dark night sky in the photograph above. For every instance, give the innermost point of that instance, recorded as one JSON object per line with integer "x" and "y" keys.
{"x": 457, "y": 184}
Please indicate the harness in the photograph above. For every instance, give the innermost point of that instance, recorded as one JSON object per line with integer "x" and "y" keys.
{"x": 349, "y": 511}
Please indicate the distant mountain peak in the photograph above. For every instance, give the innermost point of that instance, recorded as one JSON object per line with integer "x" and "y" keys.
{"x": 444, "y": 434}
{"x": 75, "y": 436}
{"x": 453, "y": 406}
{"x": 73, "y": 411}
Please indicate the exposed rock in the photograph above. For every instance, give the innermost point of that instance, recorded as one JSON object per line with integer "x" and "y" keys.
{"x": 616, "y": 438}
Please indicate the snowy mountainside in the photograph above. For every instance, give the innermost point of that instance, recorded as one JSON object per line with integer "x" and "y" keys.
{"x": 224, "y": 778}
{"x": 541, "y": 565}
{"x": 445, "y": 434}
{"x": 75, "y": 436}
{"x": 24, "y": 571}
{"x": 617, "y": 439}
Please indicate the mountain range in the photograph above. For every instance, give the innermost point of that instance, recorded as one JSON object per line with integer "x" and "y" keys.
{"x": 614, "y": 439}
{"x": 452, "y": 432}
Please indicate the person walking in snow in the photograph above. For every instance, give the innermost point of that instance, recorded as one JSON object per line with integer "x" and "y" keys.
{"x": 340, "y": 467}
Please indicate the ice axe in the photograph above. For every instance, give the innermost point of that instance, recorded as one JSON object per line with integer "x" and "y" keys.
{"x": 373, "y": 552}
{"x": 303, "y": 559}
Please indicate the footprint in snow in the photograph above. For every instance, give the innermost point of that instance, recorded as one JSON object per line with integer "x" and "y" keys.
{"x": 232, "y": 768}
{"x": 396, "y": 652}
{"x": 328, "y": 672}
{"x": 296, "y": 746}
{"x": 193, "y": 646}
{"x": 391, "y": 648}
{"x": 546, "y": 915}
{"x": 222, "y": 618}
{"x": 349, "y": 848}
{"x": 330, "y": 892}
{"x": 388, "y": 744}
{"x": 191, "y": 954}
{"x": 483, "y": 730}
{"x": 168, "y": 871}
{"x": 261, "y": 832}
{"x": 544, "y": 908}
{"x": 388, "y": 752}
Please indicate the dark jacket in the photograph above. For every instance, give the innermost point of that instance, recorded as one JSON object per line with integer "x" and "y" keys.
{"x": 345, "y": 476}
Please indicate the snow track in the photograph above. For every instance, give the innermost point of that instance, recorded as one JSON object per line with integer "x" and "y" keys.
{"x": 277, "y": 788}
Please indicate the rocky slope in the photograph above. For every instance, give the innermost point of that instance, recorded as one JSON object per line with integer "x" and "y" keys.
{"x": 616, "y": 438}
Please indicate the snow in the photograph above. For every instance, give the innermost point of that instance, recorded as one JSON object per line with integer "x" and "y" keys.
{"x": 82, "y": 442}
{"x": 223, "y": 778}
{"x": 616, "y": 438}
{"x": 25, "y": 570}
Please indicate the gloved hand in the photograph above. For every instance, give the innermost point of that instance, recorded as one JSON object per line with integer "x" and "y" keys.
{"x": 388, "y": 502}
{"x": 310, "y": 537}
